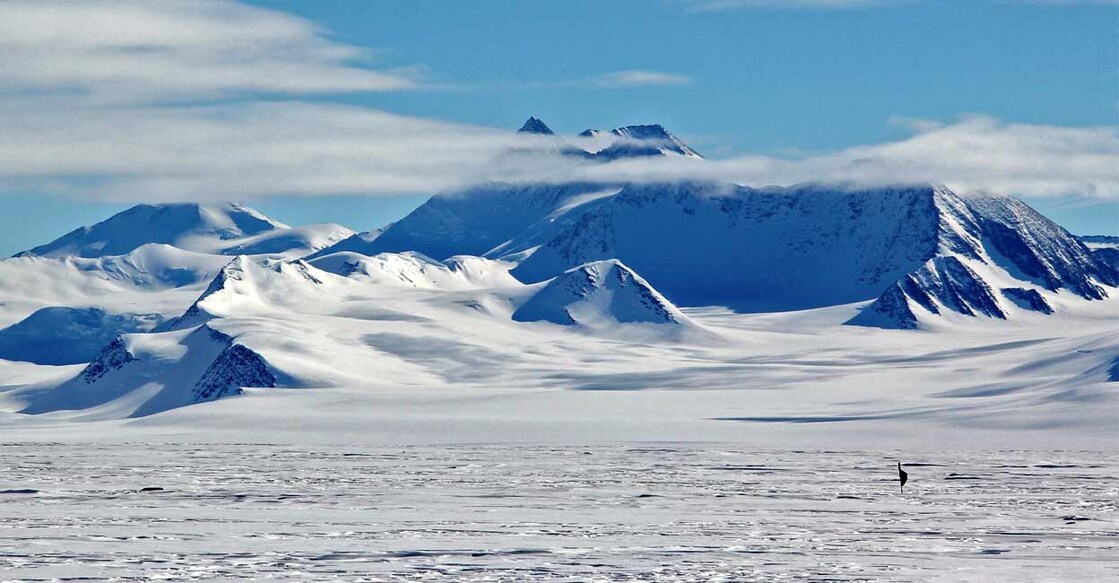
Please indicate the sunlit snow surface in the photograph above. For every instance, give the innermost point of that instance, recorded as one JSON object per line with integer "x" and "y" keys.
{"x": 666, "y": 512}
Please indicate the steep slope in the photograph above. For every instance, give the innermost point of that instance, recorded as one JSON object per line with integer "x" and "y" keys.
{"x": 1013, "y": 246}
{"x": 499, "y": 218}
{"x": 478, "y": 220}
{"x": 141, "y": 374}
{"x": 598, "y": 294}
{"x": 534, "y": 125}
{"x": 819, "y": 245}
{"x": 759, "y": 250}
{"x": 193, "y": 227}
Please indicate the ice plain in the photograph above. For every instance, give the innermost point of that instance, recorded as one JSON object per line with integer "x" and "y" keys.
{"x": 763, "y": 453}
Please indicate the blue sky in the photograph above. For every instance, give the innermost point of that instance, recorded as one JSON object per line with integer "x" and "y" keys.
{"x": 736, "y": 78}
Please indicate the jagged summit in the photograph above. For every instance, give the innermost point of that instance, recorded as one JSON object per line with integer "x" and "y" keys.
{"x": 635, "y": 141}
{"x": 534, "y": 125}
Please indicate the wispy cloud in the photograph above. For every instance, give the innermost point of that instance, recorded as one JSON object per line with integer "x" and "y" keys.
{"x": 638, "y": 78}
{"x": 123, "y": 102}
{"x": 972, "y": 153}
{"x": 134, "y": 51}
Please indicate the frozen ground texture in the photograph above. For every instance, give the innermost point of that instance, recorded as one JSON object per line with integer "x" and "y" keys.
{"x": 698, "y": 512}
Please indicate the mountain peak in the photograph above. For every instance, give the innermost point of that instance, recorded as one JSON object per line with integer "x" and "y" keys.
{"x": 635, "y": 141}
{"x": 599, "y": 293}
{"x": 190, "y": 226}
{"x": 534, "y": 126}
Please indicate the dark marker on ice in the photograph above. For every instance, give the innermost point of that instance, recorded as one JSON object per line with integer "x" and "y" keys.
{"x": 904, "y": 477}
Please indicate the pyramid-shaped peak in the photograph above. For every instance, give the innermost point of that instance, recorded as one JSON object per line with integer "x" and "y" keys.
{"x": 535, "y": 126}
{"x": 599, "y": 293}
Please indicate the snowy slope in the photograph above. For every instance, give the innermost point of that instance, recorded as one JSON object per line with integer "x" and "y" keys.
{"x": 223, "y": 229}
{"x": 356, "y": 243}
{"x": 501, "y": 218}
{"x": 62, "y": 335}
{"x": 193, "y": 227}
{"x": 416, "y": 270}
{"x": 999, "y": 256}
{"x": 597, "y": 294}
{"x": 140, "y": 374}
{"x": 481, "y": 219}
{"x": 758, "y": 250}
{"x": 637, "y": 141}
{"x": 290, "y": 243}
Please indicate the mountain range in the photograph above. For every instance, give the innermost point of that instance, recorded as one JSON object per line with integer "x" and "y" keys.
{"x": 165, "y": 305}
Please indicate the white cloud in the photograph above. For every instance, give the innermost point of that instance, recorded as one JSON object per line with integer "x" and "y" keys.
{"x": 104, "y": 103}
{"x": 637, "y": 78}
{"x": 970, "y": 154}
{"x": 133, "y": 51}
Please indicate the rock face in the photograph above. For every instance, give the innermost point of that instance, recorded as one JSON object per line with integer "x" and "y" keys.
{"x": 234, "y": 368}
{"x": 1008, "y": 240}
{"x": 599, "y": 293}
{"x": 1040, "y": 248}
{"x": 942, "y": 283}
{"x": 534, "y": 126}
{"x": 112, "y": 357}
{"x": 142, "y": 374}
{"x": 1027, "y": 299}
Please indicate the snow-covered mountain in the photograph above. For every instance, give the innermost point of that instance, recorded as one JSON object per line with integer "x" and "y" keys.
{"x": 411, "y": 269}
{"x": 995, "y": 254}
{"x": 596, "y": 294}
{"x": 537, "y": 284}
{"x": 140, "y": 374}
{"x": 775, "y": 249}
{"x": 356, "y": 243}
{"x": 636, "y": 141}
{"x": 481, "y": 220}
{"x": 225, "y": 229}
{"x": 63, "y": 335}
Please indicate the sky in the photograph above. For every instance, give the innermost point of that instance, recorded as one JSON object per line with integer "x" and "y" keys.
{"x": 355, "y": 112}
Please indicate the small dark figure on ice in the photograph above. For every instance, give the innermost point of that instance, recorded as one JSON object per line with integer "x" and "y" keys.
{"x": 904, "y": 477}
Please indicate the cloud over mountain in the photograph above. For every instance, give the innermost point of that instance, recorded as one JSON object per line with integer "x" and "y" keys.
{"x": 91, "y": 96}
